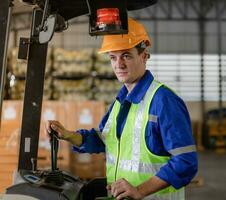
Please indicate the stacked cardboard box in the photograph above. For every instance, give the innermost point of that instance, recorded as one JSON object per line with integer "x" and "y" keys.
{"x": 73, "y": 115}
{"x": 88, "y": 166}
{"x": 86, "y": 115}
{"x": 52, "y": 110}
{"x": 9, "y": 140}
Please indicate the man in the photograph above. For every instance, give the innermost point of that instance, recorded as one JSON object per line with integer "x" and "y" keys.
{"x": 146, "y": 133}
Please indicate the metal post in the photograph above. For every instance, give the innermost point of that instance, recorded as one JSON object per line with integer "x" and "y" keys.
{"x": 220, "y": 143}
{"x": 219, "y": 37}
{"x": 5, "y": 15}
{"x": 202, "y": 51}
{"x": 155, "y": 35}
{"x": 33, "y": 97}
{"x": 202, "y": 45}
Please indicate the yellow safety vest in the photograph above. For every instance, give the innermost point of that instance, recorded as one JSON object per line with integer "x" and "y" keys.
{"x": 129, "y": 156}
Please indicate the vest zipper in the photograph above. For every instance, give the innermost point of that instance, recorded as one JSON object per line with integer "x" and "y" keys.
{"x": 117, "y": 162}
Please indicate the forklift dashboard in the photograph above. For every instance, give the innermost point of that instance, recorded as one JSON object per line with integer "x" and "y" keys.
{"x": 31, "y": 178}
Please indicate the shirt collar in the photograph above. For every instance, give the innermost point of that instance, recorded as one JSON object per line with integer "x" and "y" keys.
{"x": 138, "y": 92}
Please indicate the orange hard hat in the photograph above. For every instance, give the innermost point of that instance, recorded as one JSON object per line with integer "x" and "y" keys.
{"x": 136, "y": 34}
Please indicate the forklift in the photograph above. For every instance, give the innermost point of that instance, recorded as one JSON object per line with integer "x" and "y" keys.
{"x": 48, "y": 17}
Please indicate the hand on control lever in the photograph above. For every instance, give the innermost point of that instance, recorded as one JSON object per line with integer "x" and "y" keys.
{"x": 53, "y": 133}
{"x": 56, "y": 128}
{"x": 62, "y": 133}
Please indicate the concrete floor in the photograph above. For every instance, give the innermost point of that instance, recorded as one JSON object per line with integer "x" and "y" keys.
{"x": 211, "y": 176}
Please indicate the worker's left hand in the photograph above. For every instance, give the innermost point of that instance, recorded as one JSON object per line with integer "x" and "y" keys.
{"x": 123, "y": 189}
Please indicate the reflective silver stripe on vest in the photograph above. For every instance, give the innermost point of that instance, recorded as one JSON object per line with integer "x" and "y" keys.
{"x": 142, "y": 167}
{"x": 137, "y": 133}
{"x": 181, "y": 150}
{"x": 178, "y": 195}
{"x": 107, "y": 126}
{"x": 110, "y": 159}
{"x": 153, "y": 118}
{"x": 148, "y": 168}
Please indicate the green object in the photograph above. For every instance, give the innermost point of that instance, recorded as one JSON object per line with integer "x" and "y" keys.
{"x": 129, "y": 157}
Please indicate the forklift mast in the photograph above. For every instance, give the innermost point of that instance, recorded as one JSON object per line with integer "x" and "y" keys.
{"x": 33, "y": 94}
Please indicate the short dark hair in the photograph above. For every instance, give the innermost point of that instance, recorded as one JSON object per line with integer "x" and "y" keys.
{"x": 141, "y": 47}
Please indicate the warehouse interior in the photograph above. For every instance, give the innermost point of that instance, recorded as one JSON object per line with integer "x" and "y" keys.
{"x": 188, "y": 54}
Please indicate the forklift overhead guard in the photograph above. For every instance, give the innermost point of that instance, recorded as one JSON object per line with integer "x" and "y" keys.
{"x": 74, "y": 8}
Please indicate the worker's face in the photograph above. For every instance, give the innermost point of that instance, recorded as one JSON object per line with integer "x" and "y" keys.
{"x": 128, "y": 65}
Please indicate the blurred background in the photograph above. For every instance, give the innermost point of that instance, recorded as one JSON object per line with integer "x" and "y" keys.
{"x": 188, "y": 54}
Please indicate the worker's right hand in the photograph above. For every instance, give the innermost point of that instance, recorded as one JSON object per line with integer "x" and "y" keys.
{"x": 74, "y": 137}
{"x": 58, "y": 127}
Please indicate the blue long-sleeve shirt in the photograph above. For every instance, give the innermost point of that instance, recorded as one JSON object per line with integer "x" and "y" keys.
{"x": 168, "y": 132}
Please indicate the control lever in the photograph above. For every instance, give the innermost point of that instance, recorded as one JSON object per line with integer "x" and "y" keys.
{"x": 54, "y": 148}
{"x": 55, "y": 176}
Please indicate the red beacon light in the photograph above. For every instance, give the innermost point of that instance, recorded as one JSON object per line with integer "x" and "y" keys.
{"x": 108, "y": 17}
{"x": 108, "y": 21}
